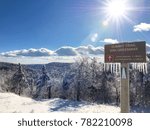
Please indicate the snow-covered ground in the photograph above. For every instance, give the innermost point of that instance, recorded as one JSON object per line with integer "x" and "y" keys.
{"x": 11, "y": 103}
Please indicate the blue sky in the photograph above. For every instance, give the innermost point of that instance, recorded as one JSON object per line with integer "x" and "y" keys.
{"x": 52, "y": 24}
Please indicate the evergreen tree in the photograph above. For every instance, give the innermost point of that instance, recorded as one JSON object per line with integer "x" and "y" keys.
{"x": 19, "y": 84}
{"x": 43, "y": 85}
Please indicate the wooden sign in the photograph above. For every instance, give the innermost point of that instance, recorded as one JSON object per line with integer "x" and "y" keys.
{"x": 126, "y": 52}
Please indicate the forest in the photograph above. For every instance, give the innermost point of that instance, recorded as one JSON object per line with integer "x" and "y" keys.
{"x": 87, "y": 79}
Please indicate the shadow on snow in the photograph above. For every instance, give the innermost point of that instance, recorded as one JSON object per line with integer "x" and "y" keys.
{"x": 137, "y": 109}
{"x": 66, "y": 105}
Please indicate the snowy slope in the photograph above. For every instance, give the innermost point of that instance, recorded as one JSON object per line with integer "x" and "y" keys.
{"x": 10, "y": 103}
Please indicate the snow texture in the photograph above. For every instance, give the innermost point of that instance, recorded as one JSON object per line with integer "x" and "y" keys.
{"x": 11, "y": 103}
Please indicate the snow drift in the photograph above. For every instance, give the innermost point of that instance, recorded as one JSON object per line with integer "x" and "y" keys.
{"x": 11, "y": 103}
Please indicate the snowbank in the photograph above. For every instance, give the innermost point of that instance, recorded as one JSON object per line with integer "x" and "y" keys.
{"x": 10, "y": 103}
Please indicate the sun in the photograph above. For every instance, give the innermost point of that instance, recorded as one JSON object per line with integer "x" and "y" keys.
{"x": 115, "y": 10}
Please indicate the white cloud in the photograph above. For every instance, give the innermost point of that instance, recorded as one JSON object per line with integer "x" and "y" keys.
{"x": 81, "y": 50}
{"x": 63, "y": 51}
{"x": 90, "y": 50}
{"x": 109, "y": 40}
{"x": 63, "y": 54}
{"x": 141, "y": 27}
{"x": 30, "y": 52}
{"x": 43, "y": 55}
{"x": 66, "y": 51}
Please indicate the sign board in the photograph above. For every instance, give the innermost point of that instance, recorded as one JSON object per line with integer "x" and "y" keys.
{"x": 126, "y": 52}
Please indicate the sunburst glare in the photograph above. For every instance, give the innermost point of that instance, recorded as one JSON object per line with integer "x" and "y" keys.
{"x": 115, "y": 10}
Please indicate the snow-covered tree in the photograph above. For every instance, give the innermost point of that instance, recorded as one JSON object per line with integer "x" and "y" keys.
{"x": 90, "y": 82}
{"x": 75, "y": 82}
{"x": 43, "y": 85}
{"x": 96, "y": 70}
{"x": 82, "y": 77}
{"x": 19, "y": 84}
{"x": 136, "y": 87}
{"x": 146, "y": 92}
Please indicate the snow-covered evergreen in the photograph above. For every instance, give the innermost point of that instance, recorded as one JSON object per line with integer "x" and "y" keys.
{"x": 19, "y": 84}
{"x": 43, "y": 89}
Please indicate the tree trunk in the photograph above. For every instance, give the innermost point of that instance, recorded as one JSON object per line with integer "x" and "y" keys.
{"x": 49, "y": 92}
{"x": 78, "y": 91}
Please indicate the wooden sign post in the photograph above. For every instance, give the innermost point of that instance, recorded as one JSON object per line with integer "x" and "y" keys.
{"x": 125, "y": 53}
{"x": 125, "y": 97}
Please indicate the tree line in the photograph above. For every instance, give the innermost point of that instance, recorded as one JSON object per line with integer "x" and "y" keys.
{"x": 85, "y": 80}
